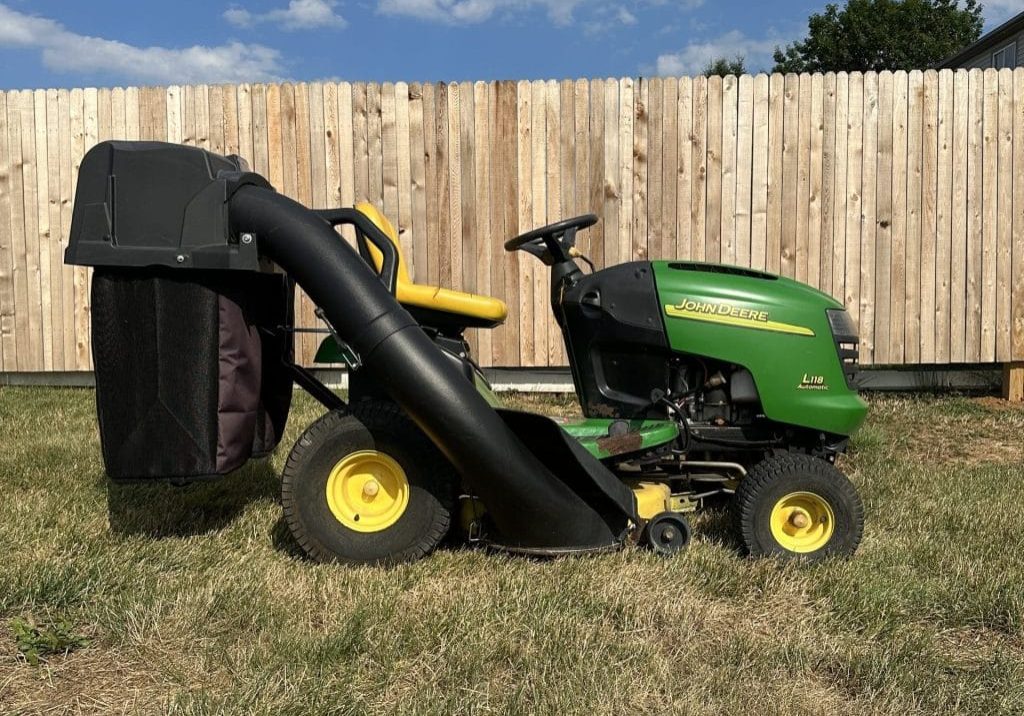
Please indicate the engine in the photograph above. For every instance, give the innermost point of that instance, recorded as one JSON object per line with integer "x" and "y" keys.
{"x": 711, "y": 392}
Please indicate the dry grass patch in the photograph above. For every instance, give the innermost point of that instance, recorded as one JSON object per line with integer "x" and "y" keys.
{"x": 197, "y": 601}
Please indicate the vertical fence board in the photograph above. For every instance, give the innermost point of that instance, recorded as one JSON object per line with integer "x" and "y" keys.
{"x": 698, "y": 169}
{"x": 943, "y": 216}
{"x": 803, "y": 177}
{"x": 496, "y": 194}
{"x": 653, "y": 157}
{"x": 88, "y": 138}
{"x": 404, "y": 191}
{"x": 612, "y": 178}
{"x": 374, "y": 146}
{"x": 626, "y": 115}
{"x": 418, "y": 176}
{"x": 854, "y": 193}
{"x": 538, "y": 175}
{"x": 589, "y": 138}
{"x": 508, "y": 138}
{"x": 1017, "y": 269}
{"x": 975, "y": 212}
{"x": 454, "y": 277}
{"x": 8, "y": 304}
{"x": 828, "y": 178}
{"x": 524, "y": 154}
{"x": 1004, "y": 219}
{"x": 202, "y": 116}
{"x": 300, "y": 127}
{"x": 216, "y": 113}
{"x": 728, "y": 169}
{"x": 883, "y": 204}
{"x": 790, "y": 174}
{"x": 684, "y": 176}
{"x": 670, "y": 167}
{"x": 481, "y": 260}
{"x": 566, "y": 98}
{"x": 389, "y": 153}
{"x": 465, "y": 266}
{"x": 638, "y": 244}
{"x": 759, "y": 175}
{"x": 912, "y": 252}
{"x": 989, "y": 198}
{"x": 839, "y": 192}
{"x": 866, "y": 309}
{"x": 590, "y": 173}
{"x": 404, "y": 176}
{"x": 898, "y": 275}
{"x": 66, "y": 197}
{"x": 443, "y": 185}
{"x": 75, "y": 149}
{"x": 15, "y": 192}
{"x": 744, "y": 166}
{"x": 43, "y": 227}
{"x": 55, "y": 238}
{"x": 30, "y": 187}
{"x": 815, "y": 180}
{"x": 776, "y": 133}
{"x": 929, "y": 215}
{"x": 958, "y": 219}
{"x": 713, "y": 167}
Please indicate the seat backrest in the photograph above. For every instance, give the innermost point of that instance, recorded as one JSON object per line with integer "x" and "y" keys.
{"x": 374, "y": 214}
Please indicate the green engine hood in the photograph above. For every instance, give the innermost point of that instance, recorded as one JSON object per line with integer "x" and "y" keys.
{"x": 775, "y": 327}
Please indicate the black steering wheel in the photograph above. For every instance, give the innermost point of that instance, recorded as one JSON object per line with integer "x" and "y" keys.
{"x": 552, "y": 243}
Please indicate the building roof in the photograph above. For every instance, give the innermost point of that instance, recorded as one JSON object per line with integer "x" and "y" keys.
{"x": 989, "y": 40}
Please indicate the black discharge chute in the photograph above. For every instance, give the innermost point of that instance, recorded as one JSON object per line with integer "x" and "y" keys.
{"x": 159, "y": 221}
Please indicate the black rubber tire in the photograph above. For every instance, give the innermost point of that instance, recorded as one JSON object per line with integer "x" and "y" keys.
{"x": 371, "y": 425}
{"x": 778, "y": 475}
{"x": 654, "y": 533}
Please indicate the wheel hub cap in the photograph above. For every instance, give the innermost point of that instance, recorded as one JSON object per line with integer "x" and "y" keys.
{"x": 802, "y": 522}
{"x": 367, "y": 491}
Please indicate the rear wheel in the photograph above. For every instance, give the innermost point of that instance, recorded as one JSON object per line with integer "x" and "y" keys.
{"x": 367, "y": 487}
{"x": 797, "y": 506}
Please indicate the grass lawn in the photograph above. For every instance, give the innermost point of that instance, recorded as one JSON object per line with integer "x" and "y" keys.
{"x": 196, "y": 600}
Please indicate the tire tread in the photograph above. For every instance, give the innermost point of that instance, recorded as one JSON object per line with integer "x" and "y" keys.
{"x": 776, "y": 467}
{"x": 373, "y": 414}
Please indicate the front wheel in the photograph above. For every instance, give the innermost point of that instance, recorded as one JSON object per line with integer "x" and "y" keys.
{"x": 367, "y": 488}
{"x": 797, "y": 506}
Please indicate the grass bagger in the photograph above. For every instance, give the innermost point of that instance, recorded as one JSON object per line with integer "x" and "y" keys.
{"x": 699, "y": 383}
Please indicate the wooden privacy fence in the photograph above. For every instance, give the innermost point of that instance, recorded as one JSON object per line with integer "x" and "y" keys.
{"x": 895, "y": 192}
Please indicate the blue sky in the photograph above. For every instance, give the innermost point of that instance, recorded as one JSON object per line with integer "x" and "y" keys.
{"x": 53, "y": 43}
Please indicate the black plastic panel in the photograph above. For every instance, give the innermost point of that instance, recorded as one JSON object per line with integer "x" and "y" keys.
{"x": 158, "y": 204}
{"x": 616, "y": 339}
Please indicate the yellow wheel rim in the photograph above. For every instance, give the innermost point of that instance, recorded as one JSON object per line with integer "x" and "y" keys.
{"x": 367, "y": 491}
{"x": 802, "y": 522}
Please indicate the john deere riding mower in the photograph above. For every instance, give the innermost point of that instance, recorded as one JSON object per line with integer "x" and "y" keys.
{"x": 699, "y": 383}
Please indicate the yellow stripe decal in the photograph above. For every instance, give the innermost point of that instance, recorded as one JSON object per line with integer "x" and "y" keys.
{"x": 774, "y": 326}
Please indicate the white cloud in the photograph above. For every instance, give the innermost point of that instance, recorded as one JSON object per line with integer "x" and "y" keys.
{"x": 997, "y": 12}
{"x": 299, "y": 15}
{"x": 66, "y": 51}
{"x": 695, "y": 56}
{"x": 469, "y": 12}
{"x": 625, "y": 16}
{"x": 603, "y": 15}
{"x": 608, "y": 18}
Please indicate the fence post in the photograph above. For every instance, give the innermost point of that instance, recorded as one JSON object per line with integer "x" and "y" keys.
{"x": 1013, "y": 381}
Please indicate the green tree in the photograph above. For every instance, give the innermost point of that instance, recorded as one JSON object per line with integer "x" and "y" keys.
{"x": 723, "y": 66}
{"x": 882, "y": 35}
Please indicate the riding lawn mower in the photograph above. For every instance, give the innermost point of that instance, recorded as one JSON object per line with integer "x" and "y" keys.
{"x": 699, "y": 384}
